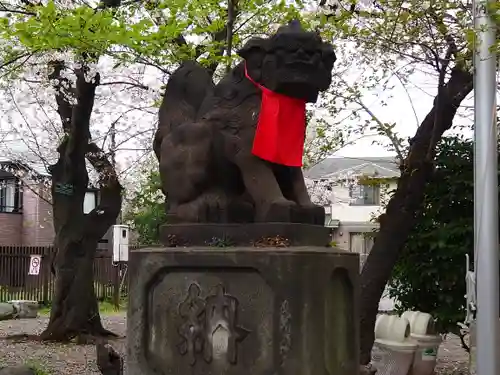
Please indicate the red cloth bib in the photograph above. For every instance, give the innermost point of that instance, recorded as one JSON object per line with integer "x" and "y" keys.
{"x": 281, "y": 128}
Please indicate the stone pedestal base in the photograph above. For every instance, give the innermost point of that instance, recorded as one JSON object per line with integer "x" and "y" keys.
{"x": 251, "y": 234}
{"x": 243, "y": 311}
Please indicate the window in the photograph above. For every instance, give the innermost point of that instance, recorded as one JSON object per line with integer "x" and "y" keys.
{"x": 89, "y": 201}
{"x": 11, "y": 195}
{"x": 364, "y": 195}
{"x": 328, "y": 219}
{"x": 360, "y": 243}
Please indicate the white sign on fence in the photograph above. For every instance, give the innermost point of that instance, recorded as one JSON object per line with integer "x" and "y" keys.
{"x": 35, "y": 263}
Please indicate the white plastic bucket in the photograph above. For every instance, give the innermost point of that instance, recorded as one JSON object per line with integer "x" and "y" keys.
{"x": 393, "y": 358}
{"x": 426, "y": 354}
{"x": 392, "y": 328}
{"x": 420, "y": 323}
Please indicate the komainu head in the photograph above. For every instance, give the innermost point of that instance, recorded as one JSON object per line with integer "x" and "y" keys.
{"x": 292, "y": 62}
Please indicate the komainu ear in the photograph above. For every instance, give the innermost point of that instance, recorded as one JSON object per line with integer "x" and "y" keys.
{"x": 252, "y": 46}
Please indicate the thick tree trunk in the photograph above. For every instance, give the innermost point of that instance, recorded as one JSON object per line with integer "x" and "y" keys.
{"x": 399, "y": 218}
{"x": 75, "y": 313}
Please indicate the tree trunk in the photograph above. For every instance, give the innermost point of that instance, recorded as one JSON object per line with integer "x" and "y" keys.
{"x": 74, "y": 308}
{"x": 399, "y": 218}
{"x": 75, "y": 311}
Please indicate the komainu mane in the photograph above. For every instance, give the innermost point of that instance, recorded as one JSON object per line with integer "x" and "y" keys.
{"x": 206, "y": 131}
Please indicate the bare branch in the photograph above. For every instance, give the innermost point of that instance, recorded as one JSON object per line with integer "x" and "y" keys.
{"x": 25, "y": 57}
{"x": 13, "y": 60}
{"x": 3, "y": 8}
{"x": 140, "y": 59}
{"x": 383, "y": 127}
{"x": 231, "y": 16}
{"x": 38, "y": 150}
{"x": 138, "y": 85}
{"x": 440, "y": 97}
{"x": 64, "y": 90}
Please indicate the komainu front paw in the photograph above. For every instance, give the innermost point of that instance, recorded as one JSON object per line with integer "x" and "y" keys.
{"x": 310, "y": 214}
{"x": 278, "y": 211}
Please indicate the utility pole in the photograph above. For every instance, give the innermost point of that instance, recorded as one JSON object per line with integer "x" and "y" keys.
{"x": 118, "y": 268}
{"x": 486, "y": 192}
{"x": 113, "y": 144}
{"x": 112, "y": 133}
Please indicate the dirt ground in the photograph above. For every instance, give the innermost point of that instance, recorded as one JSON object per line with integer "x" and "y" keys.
{"x": 452, "y": 358}
{"x": 56, "y": 359}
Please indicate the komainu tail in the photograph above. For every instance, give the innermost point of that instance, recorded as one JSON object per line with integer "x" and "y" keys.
{"x": 186, "y": 90}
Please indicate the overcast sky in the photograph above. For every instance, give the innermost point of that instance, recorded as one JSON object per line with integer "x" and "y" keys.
{"x": 407, "y": 107}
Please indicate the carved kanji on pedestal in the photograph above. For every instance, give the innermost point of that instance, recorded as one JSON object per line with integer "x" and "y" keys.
{"x": 210, "y": 323}
{"x": 220, "y": 314}
{"x": 191, "y": 310}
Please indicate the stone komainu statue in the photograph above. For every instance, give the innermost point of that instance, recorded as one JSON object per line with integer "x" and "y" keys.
{"x": 206, "y": 132}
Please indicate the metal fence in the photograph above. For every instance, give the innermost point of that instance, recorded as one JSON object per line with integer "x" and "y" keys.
{"x": 19, "y": 278}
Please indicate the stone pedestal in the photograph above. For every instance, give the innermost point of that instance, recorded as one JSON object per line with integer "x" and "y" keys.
{"x": 255, "y": 234}
{"x": 243, "y": 310}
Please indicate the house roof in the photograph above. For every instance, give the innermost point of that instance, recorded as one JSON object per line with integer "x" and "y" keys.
{"x": 38, "y": 170}
{"x": 5, "y": 174}
{"x": 382, "y": 167}
{"x": 17, "y": 154}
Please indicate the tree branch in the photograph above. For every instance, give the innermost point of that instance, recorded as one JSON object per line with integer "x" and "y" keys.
{"x": 3, "y": 8}
{"x": 27, "y": 56}
{"x": 451, "y": 52}
{"x": 231, "y": 17}
{"x": 27, "y": 176}
{"x": 399, "y": 218}
{"x": 138, "y": 85}
{"x": 63, "y": 91}
{"x": 80, "y": 117}
{"x": 110, "y": 191}
{"x": 383, "y": 127}
{"x": 14, "y": 59}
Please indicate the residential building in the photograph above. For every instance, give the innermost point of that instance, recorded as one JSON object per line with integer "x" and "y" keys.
{"x": 25, "y": 208}
{"x": 353, "y": 191}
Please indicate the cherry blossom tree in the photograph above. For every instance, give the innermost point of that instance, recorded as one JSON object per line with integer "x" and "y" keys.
{"x": 70, "y": 80}
{"x": 432, "y": 36}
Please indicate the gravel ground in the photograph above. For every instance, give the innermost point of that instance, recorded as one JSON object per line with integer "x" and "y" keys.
{"x": 452, "y": 359}
{"x": 55, "y": 359}
{"x": 58, "y": 359}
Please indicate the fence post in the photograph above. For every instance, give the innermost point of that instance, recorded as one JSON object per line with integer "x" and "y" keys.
{"x": 46, "y": 274}
{"x": 3, "y": 272}
{"x": 116, "y": 286}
